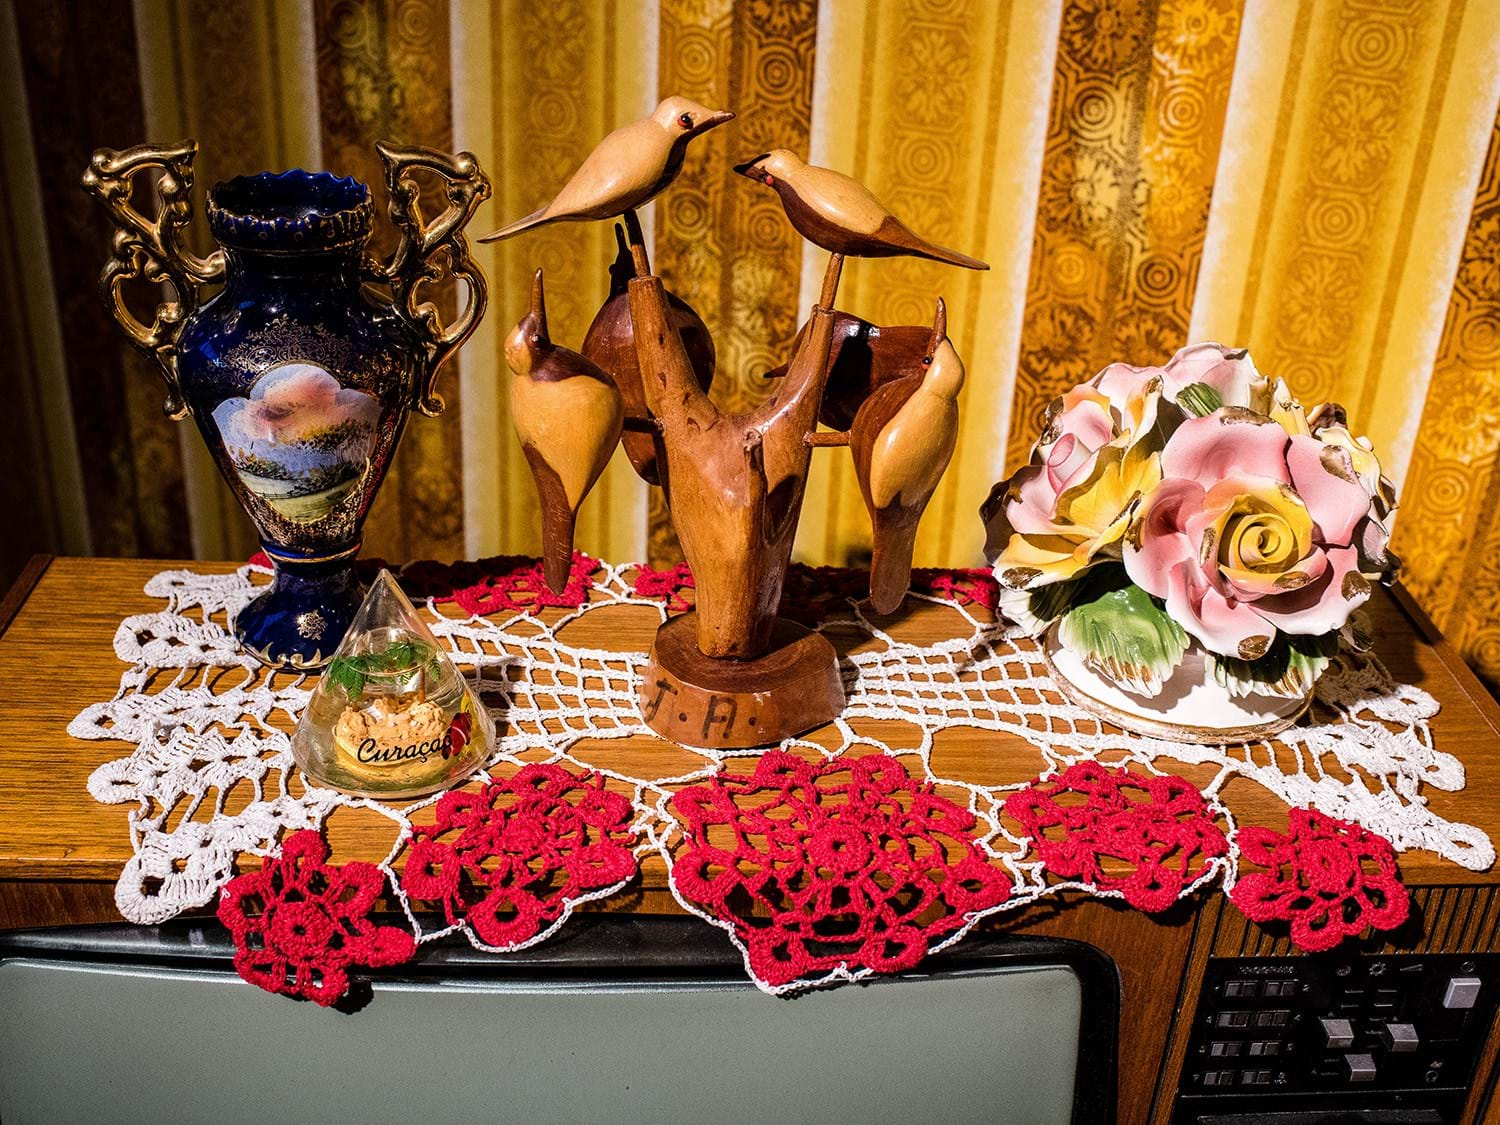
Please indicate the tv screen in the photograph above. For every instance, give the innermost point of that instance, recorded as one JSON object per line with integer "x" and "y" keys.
{"x": 615, "y": 1029}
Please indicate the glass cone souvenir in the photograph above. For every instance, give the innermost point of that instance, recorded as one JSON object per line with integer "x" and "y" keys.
{"x": 391, "y": 716}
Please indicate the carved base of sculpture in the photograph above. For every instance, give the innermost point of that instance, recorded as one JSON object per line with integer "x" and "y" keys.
{"x": 718, "y": 704}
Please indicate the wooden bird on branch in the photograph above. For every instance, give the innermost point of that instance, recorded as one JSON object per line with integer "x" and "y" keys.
{"x": 568, "y": 414}
{"x": 627, "y": 169}
{"x": 840, "y": 214}
{"x": 902, "y": 440}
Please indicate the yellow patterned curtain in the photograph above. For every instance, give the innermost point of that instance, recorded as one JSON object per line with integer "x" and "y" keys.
{"x": 1317, "y": 180}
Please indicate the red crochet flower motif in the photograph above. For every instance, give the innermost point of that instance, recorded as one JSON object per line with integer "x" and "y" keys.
{"x": 672, "y": 585}
{"x": 1320, "y": 879}
{"x": 300, "y": 922}
{"x": 814, "y": 874}
{"x": 503, "y": 584}
{"x": 509, "y": 859}
{"x": 812, "y": 593}
{"x": 1166, "y": 838}
{"x": 961, "y": 587}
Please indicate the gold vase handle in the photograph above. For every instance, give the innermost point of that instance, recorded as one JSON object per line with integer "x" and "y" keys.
{"x": 418, "y": 258}
{"x": 152, "y": 248}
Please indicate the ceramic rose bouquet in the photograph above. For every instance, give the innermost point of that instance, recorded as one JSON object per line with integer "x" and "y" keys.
{"x": 1192, "y": 509}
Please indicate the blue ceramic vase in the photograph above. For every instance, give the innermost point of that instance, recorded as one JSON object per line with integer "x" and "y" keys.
{"x": 302, "y": 370}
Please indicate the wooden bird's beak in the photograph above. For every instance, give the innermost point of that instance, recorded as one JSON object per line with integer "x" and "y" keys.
{"x": 539, "y": 308}
{"x": 711, "y": 121}
{"x": 750, "y": 168}
{"x": 939, "y": 326}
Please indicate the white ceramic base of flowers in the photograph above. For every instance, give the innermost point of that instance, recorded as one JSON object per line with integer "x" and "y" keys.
{"x": 1192, "y": 706}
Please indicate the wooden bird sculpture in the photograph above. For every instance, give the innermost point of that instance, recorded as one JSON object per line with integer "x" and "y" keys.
{"x": 902, "y": 439}
{"x": 627, "y": 168}
{"x": 568, "y": 414}
{"x": 840, "y": 214}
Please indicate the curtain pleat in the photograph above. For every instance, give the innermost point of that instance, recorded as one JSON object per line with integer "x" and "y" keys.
{"x": 557, "y": 78}
{"x": 1335, "y": 252}
{"x": 1128, "y": 172}
{"x": 381, "y": 75}
{"x": 1314, "y": 179}
{"x": 43, "y": 487}
{"x": 83, "y": 91}
{"x": 1448, "y": 532}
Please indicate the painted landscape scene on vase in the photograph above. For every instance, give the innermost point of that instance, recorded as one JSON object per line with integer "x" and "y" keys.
{"x": 300, "y": 441}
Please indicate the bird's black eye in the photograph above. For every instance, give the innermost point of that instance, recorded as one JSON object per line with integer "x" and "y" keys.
{"x": 926, "y": 361}
{"x": 685, "y": 120}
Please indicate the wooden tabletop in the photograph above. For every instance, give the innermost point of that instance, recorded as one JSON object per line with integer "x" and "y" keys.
{"x": 56, "y": 656}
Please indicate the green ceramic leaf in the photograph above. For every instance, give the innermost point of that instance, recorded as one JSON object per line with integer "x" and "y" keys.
{"x": 1125, "y": 635}
{"x": 1289, "y": 669}
{"x": 1199, "y": 399}
{"x": 1034, "y": 609}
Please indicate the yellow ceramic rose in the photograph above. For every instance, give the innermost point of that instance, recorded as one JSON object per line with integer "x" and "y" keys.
{"x": 1070, "y": 506}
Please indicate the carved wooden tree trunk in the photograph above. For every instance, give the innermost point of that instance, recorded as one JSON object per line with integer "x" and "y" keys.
{"x": 734, "y": 482}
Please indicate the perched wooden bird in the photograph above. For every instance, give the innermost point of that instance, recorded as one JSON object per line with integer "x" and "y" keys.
{"x": 902, "y": 439}
{"x": 568, "y": 414}
{"x": 627, "y": 168}
{"x": 840, "y": 214}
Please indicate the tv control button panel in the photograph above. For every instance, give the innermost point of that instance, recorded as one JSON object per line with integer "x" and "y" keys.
{"x": 1348, "y": 1031}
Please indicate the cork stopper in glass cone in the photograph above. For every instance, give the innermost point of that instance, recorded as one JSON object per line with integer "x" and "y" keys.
{"x": 391, "y": 716}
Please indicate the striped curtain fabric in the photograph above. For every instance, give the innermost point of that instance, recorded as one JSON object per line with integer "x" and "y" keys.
{"x": 1318, "y": 180}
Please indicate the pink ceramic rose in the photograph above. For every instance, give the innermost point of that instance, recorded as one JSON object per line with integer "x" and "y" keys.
{"x": 1229, "y": 372}
{"x": 1070, "y": 506}
{"x": 1260, "y": 527}
{"x": 1230, "y": 377}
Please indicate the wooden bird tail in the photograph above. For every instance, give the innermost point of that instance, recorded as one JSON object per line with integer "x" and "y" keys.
{"x": 557, "y": 549}
{"x": 895, "y": 237}
{"x": 535, "y": 219}
{"x": 895, "y": 538}
{"x": 951, "y": 257}
{"x": 558, "y": 518}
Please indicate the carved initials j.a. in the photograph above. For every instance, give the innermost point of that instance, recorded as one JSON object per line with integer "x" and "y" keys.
{"x": 715, "y": 713}
{"x": 654, "y": 704}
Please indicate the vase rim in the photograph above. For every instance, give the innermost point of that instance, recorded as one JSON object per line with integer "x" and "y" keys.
{"x": 290, "y": 211}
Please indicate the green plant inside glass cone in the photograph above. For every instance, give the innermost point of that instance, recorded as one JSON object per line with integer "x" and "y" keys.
{"x": 394, "y": 664}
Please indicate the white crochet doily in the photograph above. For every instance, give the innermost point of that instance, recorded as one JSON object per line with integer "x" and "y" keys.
{"x": 197, "y": 714}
